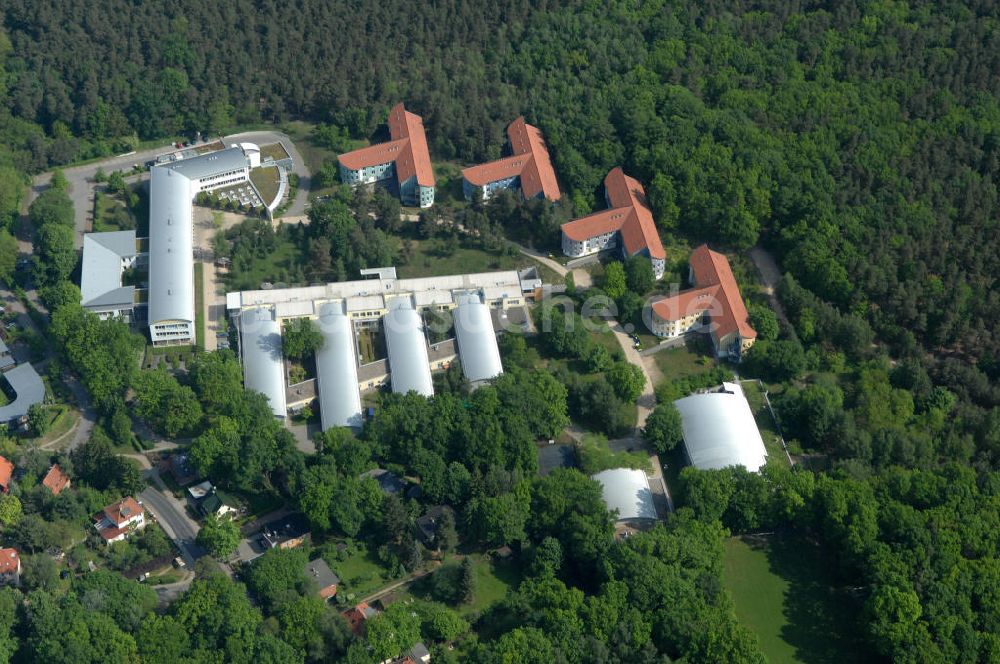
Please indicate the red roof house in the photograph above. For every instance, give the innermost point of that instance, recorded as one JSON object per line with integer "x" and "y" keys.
{"x": 10, "y": 566}
{"x": 528, "y": 167}
{"x": 627, "y": 223}
{"x": 56, "y": 480}
{"x": 406, "y": 151}
{"x": 6, "y": 472}
{"x": 356, "y": 617}
{"x": 714, "y": 301}
{"x": 118, "y": 520}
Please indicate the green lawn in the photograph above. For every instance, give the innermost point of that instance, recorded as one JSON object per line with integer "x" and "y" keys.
{"x": 110, "y": 214}
{"x": 199, "y": 305}
{"x": 371, "y": 343}
{"x": 361, "y": 574}
{"x": 683, "y": 361}
{"x": 429, "y": 260}
{"x": 274, "y": 267}
{"x": 781, "y": 590}
{"x": 275, "y": 151}
{"x": 768, "y": 431}
{"x": 493, "y": 580}
{"x": 266, "y": 180}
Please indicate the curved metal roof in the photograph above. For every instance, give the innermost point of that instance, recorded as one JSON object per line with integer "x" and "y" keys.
{"x": 260, "y": 345}
{"x": 627, "y": 491}
{"x": 720, "y": 431}
{"x": 404, "y": 339}
{"x": 337, "y": 369}
{"x": 171, "y": 258}
{"x": 477, "y": 342}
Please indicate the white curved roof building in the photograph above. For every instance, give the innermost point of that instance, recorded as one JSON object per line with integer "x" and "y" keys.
{"x": 720, "y": 430}
{"x": 337, "y": 369}
{"x": 477, "y": 341}
{"x": 627, "y": 491}
{"x": 172, "y": 187}
{"x": 260, "y": 346}
{"x": 407, "y": 347}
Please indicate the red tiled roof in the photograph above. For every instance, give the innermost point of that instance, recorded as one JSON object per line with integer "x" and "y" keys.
{"x": 686, "y": 303}
{"x": 56, "y": 480}
{"x": 356, "y": 617}
{"x": 530, "y": 161}
{"x": 712, "y": 273}
{"x": 407, "y": 147}
{"x": 123, "y": 511}
{"x": 628, "y": 213}
{"x": 9, "y": 561}
{"x": 6, "y": 470}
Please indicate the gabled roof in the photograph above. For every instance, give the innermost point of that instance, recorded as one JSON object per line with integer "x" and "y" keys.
{"x": 101, "y": 271}
{"x": 123, "y": 511}
{"x": 710, "y": 268}
{"x": 628, "y": 213}
{"x": 10, "y": 561}
{"x": 28, "y": 389}
{"x": 6, "y": 471}
{"x": 716, "y": 291}
{"x": 320, "y": 572}
{"x": 407, "y": 147}
{"x": 55, "y": 480}
{"x": 530, "y": 161}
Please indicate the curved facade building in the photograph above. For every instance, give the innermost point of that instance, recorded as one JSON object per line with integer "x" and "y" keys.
{"x": 263, "y": 367}
{"x": 407, "y": 347}
{"x": 720, "y": 431}
{"x": 171, "y": 261}
{"x": 477, "y": 341}
{"x": 337, "y": 369}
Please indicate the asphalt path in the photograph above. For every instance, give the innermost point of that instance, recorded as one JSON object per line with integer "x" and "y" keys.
{"x": 170, "y": 514}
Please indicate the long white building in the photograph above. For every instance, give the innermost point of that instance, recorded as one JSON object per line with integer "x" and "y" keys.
{"x": 172, "y": 188}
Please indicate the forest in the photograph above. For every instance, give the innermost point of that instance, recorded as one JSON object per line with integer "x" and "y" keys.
{"x": 857, "y": 141}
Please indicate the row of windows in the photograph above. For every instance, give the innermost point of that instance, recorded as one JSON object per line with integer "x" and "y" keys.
{"x": 213, "y": 178}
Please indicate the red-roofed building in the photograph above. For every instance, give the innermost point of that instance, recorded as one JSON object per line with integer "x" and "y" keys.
{"x": 10, "y": 567}
{"x": 6, "y": 472}
{"x": 357, "y": 616}
{"x": 627, "y": 223}
{"x": 405, "y": 156}
{"x": 56, "y": 480}
{"x": 528, "y": 169}
{"x": 119, "y": 520}
{"x": 715, "y": 302}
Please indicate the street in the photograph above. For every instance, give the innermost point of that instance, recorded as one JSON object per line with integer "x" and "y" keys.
{"x": 172, "y": 517}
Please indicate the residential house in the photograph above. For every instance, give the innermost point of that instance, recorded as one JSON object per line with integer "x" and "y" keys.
{"x": 528, "y": 169}
{"x": 627, "y": 224}
{"x": 427, "y": 525}
{"x": 206, "y": 499}
{"x": 287, "y": 533}
{"x": 10, "y": 567}
{"x": 6, "y": 472}
{"x": 56, "y": 480}
{"x": 388, "y": 481}
{"x": 714, "y": 304}
{"x": 404, "y": 157}
{"x": 318, "y": 571}
{"x": 116, "y": 522}
{"x": 357, "y": 616}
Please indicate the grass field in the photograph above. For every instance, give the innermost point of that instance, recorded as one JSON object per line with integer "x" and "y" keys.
{"x": 361, "y": 573}
{"x": 493, "y": 580}
{"x": 266, "y": 180}
{"x": 683, "y": 361}
{"x": 768, "y": 431}
{"x": 199, "y": 305}
{"x": 429, "y": 260}
{"x": 781, "y": 591}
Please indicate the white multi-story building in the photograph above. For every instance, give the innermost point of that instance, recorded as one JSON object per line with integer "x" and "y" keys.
{"x": 106, "y": 257}
{"x": 627, "y": 223}
{"x": 172, "y": 188}
{"x": 404, "y": 157}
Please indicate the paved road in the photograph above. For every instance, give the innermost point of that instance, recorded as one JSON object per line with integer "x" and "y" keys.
{"x": 172, "y": 517}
